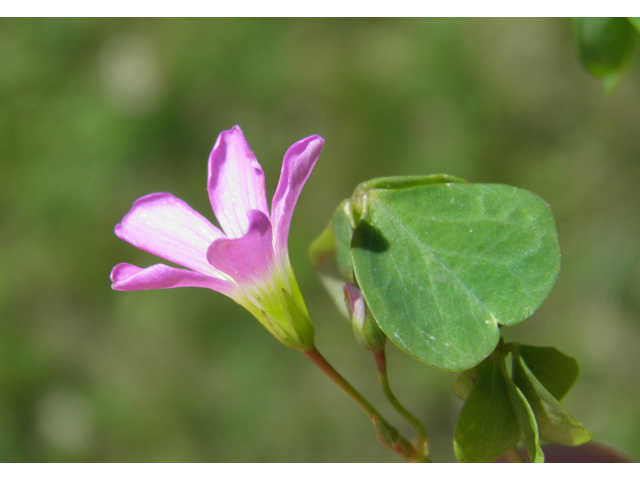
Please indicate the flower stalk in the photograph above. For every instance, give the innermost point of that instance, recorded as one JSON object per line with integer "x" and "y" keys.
{"x": 387, "y": 435}
{"x": 422, "y": 440}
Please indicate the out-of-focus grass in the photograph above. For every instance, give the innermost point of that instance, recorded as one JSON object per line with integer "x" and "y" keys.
{"x": 96, "y": 113}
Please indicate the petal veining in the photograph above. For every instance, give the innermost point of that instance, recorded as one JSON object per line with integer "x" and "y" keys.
{"x": 165, "y": 226}
{"x": 296, "y": 168}
{"x": 247, "y": 259}
{"x": 235, "y": 183}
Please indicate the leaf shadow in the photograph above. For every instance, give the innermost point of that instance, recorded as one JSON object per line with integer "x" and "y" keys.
{"x": 367, "y": 237}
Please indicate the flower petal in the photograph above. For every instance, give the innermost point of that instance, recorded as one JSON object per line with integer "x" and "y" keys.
{"x": 167, "y": 227}
{"x": 127, "y": 277}
{"x": 249, "y": 258}
{"x": 298, "y": 163}
{"x": 235, "y": 183}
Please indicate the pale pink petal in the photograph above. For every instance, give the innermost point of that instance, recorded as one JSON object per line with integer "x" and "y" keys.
{"x": 167, "y": 227}
{"x": 248, "y": 258}
{"x": 298, "y": 163}
{"x": 355, "y": 303}
{"x": 235, "y": 183}
{"x": 127, "y": 277}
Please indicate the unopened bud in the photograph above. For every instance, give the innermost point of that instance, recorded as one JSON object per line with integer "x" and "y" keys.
{"x": 365, "y": 328}
{"x": 387, "y": 436}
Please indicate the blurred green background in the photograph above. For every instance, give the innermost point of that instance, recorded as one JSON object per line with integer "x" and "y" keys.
{"x": 97, "y": 113}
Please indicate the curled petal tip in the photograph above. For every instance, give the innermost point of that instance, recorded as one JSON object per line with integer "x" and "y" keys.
{"x": 309, "y": 148}
{"x": 127, "y": 277}
{"x": 122, "y": 272}
{"x": 298, "y": 163}
{"x": 318, "y": 139}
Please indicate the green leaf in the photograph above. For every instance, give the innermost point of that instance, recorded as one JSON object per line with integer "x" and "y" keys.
{"x": 441, "y": 266}
{"x": 526, "y": 419}
{"x": 635, "y": 21}
{"x": 330, "y": 255}
{"x": 556, "y": 371}
{"x": 605, "y": 44}
{"x": 555, "y": 424}
{"x": 396, "y": 183}
{"x": 342, "y": 224}
{"x": 323, "y": 249}
{"x": 322, "y": 254}
{"x": 330, "y": 252}
{"x": 488, "y": 423}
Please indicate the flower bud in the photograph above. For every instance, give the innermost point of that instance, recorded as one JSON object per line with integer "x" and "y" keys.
{"x": 365, "y": 328}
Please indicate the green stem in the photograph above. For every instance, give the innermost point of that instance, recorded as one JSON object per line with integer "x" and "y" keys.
{"x": 388, "y": 436}
{"x": 381, "y": 362}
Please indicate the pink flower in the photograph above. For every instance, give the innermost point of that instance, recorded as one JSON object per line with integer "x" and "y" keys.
{"x": 249, "y": 261}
